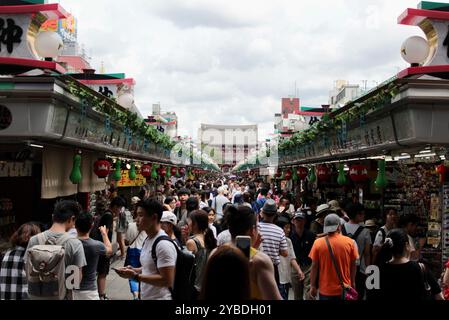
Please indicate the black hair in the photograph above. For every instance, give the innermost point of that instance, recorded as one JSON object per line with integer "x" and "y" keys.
{"x": 192, "y": 204}
{"x": 353, "y": 209}
{"x": 264, "y": 191}
{"x": 240, "y": 220}
{"x": 397, "y": 246}
{"x": 194, "y": 191}
{"x": 201, "y": 219}
{"x": 247, "y": 197}
{"x": 65, "y": 210}
{"x": 204, "y": 195}
{"x": 152, "y": 206}
{"x": 118, "y": 202}
{"x": 183, "y": 191}
{"x": 405, "y": 219}
{"x": 281, "y": 222}
{"x": 84, "y": 222}
{"x": 168, "y": 200}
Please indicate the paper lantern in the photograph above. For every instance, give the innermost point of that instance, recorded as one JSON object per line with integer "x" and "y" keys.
{"x": 132, "y": 172}
{"x": 48, "y": 44}
{"x": 302, "y": 172}
{"x": 154, "y": 172}
{"x": 323, "y": 173}
{"x": 442, "y": 171}
{"x": 102, "y": 168}
{"x": 341, "y": 180}
{"x": 182, "y": 172}
{"x": 174, "y": 171}
{"x": 162, "y": 171}
{"x": 358, "y": 173}
{"x": 381, "y": 181}
{"x": 145, "y": 171}
{"x": 75, "y": 175}
{"x": 117, "y": 176}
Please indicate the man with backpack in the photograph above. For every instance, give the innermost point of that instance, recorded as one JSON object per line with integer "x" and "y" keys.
{"x": 47, "y": 279}
{"x": 391, "y": 222}
{"x": 362, "y": 236}
{"x": 218, "y": 202}
{"x": 158, "y": 256}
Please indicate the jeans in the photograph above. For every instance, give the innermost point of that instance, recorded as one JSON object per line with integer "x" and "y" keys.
{"x": 283, "y": 289}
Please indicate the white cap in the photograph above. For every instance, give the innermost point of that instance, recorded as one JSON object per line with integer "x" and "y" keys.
{"x": 170, "y": 217}
{"x": 331, "y": 223}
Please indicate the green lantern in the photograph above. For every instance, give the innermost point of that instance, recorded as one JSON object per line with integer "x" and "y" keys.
{"x": 117, "y": 176}
{"x": 312, "y": 175}
{"x": 341, "y": 180}
{"x": 295, "y": 175}
{"x": 132, "y": 172}
{"x": 154, "y": 172}
{"x": 381, "y": 181}
{"x": 75, "y": 175}
{"x": 177, "y": 175}
{"x": 168, "y": 174}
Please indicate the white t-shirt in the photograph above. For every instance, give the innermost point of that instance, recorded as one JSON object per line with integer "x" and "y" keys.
{"x": 224, "y": 237}
{"x": 285, "y": 267}
{"x": 166, "y": 257}
{"x": 132, "y": 233}
{"x": 379, "y": 240}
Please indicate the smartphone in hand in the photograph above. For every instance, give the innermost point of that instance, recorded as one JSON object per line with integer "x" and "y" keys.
{"x": 244, "y": 244}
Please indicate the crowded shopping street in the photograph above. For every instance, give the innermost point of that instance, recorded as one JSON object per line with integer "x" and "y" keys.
{"x": 198, "y": 177}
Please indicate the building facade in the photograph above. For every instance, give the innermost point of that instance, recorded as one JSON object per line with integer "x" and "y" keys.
{"x": 228, "y": 144}
{"x": 343, "y": 93}
{"x": 166, "y": 122}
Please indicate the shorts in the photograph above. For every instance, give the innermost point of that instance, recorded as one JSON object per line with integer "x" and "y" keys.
{"x": 85, "y": 295}
{"x": 104, "y": 263}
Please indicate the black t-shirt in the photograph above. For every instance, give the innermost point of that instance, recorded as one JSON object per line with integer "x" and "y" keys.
{"x": 405, "y": 282}
{"x": 302, "y": 246}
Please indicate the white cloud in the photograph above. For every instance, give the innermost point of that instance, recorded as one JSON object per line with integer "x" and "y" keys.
{"x": 227, "y": 61}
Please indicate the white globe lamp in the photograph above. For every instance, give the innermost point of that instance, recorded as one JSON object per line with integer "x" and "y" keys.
{"x": 415, "y": 50}
{"x": 126, "y": 100}
{"x": 48, "y": 44}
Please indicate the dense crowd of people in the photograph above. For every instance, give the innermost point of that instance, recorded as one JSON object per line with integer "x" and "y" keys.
{"x": 219, "y": 240}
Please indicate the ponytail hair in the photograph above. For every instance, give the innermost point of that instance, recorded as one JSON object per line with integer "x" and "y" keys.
{"x": 201, "y": 220}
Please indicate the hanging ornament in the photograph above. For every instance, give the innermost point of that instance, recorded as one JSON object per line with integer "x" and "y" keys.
{"x": 162, "y": 171}
{"x": 302, "y": 172}
{"x": 278, "y": 174}
{"x": 341, "y": 180}
{"x": 323, "y": 173}
{"x": 174, "y": 171}
{"x": 75, "y": 175}
{"x": 102, "y": 168}
{"x": 288, "y": 174}
{"x": 442, "y": 171}
{"x": 145, "y": 171}
{"x": 154, "y": 172}
{"x": 381, "y": 181}
{"x": 168, "y": 175}
{"x": 358, "y": 173}
{"x": 132, "y": 172}
{"x": 295, "y": 177}
{"x": 312, "y": 175}
{"x": 117, "y": 176}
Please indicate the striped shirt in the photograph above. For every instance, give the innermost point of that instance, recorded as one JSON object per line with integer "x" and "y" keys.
{"x": 273, "y": 241}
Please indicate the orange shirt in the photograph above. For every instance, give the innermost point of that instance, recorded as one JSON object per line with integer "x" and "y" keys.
{"x": 345, "y": 252}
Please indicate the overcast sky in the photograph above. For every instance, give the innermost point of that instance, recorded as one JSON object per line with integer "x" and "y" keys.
{"x": 231, "y": 61}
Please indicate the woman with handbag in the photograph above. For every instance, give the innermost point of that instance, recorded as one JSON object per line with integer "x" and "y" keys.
{"x": 401, "y": 278}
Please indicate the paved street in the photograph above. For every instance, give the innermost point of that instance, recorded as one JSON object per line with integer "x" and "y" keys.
{"x": 116, "y": 287}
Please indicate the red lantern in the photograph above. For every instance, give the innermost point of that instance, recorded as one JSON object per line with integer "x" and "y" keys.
{"x": 442, "y": 171}
{"x": 323, "y": 173}
{"x": 145, "y": 170}
{"x": 173, "y": 171}
{"x": 288, "y": 174}
{"x": 182, "y": 172}
{"x": 302, "y": 173}
{"x": 102, "y": 168}
{"x": 162, "y": 171}
{"x": 358, "y": 173}
{"x": 278, "y": 173}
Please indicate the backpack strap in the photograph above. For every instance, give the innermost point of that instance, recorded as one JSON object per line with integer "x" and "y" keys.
{"x": 357, "y": 233}
{"x": 343, "y": 230}
{"x": 156, "y": 242}
{"x": 63, "y": 239}
{"x": 384, "y": 234}
{"x": 42, "y": 238}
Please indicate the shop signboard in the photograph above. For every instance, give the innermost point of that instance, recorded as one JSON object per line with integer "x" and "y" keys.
{"x": 126, "y": 182}
{"x": 16, "y": 169}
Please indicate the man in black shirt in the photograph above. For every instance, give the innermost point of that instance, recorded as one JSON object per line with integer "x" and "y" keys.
{"x": 302, "y": 240}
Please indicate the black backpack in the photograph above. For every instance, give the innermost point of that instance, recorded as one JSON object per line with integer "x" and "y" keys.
{"x": 184, "y": 271}
{"x": 355, "y": 235}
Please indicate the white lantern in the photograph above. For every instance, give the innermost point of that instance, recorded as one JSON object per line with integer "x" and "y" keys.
{"x": 48, "y": 44}
{"x": 415, "y": 50}
{"x": 126, "y": 100}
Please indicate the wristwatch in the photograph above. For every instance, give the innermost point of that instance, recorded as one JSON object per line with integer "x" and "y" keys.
{"x": 137, "y": 277}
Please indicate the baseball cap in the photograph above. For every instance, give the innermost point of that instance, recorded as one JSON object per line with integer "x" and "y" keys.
{"x": 331, "y": 223}
{"x": 299, "y": 215}
{"x": 170, "y": 217}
